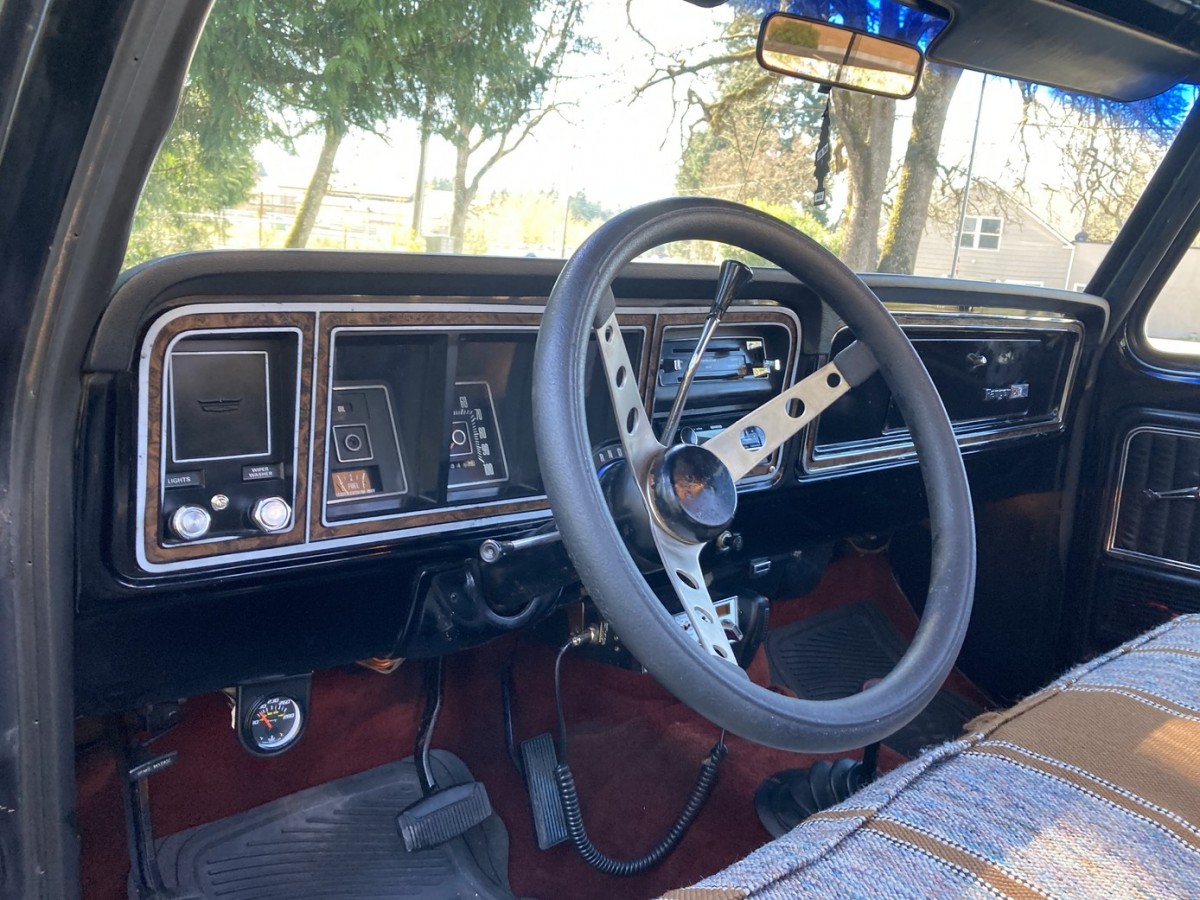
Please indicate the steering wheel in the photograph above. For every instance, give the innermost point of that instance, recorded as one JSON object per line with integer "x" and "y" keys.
{"x": 689, "y": 494}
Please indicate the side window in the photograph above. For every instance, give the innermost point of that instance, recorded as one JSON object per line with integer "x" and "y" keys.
{"x": 1173, "y": 322}
{"x": 981, "y": 232}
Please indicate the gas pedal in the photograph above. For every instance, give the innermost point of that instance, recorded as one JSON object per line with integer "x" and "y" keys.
{"x": 539, "y": 760}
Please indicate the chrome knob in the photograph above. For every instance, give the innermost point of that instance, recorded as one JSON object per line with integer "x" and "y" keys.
{"x": 271, "y": 514}
{"x": 190, "y": 523}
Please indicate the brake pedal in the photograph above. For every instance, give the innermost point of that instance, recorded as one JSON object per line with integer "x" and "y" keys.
{"x": 443, "y": 815}
{"x": 539, "y": 759}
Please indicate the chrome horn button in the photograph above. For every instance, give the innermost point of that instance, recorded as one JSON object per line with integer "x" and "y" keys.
{"x": 693, "y": 493}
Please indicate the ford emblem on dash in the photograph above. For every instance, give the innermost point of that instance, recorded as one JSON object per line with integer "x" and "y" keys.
{"x": 1012, "y": 392}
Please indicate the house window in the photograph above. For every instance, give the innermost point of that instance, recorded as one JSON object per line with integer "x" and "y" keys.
{"x": 981, "y": 232}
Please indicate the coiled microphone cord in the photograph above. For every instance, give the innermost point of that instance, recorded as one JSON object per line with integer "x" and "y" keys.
{"x": 569, "y": 796}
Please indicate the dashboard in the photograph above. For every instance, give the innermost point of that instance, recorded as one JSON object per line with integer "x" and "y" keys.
{"x": 292, "y": 426}
{"x": 318, "y": 445}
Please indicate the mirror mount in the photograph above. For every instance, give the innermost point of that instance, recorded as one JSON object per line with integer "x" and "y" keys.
{"x": 838, "y": 56}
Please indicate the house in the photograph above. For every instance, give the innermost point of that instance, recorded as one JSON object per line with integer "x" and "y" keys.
{"x": 1000, "y": 240}
{"x": 1004, "y": 241}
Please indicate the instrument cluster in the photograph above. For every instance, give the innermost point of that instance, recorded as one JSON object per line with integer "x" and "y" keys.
{"x": 290, "y": 427}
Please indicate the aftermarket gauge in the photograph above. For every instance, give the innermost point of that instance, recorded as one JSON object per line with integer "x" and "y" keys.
{"x": 272, "y": 725}
{"x": 476, "y": 448}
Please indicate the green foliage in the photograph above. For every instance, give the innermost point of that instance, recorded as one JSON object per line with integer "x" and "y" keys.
{"x": 197, "y": 175}
{"x": 290, "y": 66}
{"x": 280, "y": 68}
{"x": 482, "y": 66}
{"x": 480, "y": 74}
{"x": 757, "y": 138}
{"x": 584, "y": 209}
{"x": 801, "y": 219}
{"x": 473, "y": 71}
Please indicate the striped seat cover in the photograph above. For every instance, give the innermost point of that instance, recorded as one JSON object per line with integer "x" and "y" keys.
{"x": 1089, "y": 788}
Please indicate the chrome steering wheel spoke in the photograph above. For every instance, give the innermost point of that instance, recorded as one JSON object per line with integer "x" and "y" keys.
{"x": 637, "y": 433}
{"x": 681, "y": 559}
{"x": 682, "y": 562}
{"x": 744, "y": 444}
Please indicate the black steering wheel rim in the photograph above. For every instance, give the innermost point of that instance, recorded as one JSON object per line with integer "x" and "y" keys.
{"x": 717, "y": 690}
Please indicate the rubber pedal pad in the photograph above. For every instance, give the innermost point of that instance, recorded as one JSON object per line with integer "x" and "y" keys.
{"x": 539, "y": 760}
{"x": 443, "y": 815}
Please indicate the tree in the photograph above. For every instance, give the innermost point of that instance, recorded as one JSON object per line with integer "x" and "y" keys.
{"x": 295, "y": 68}
{"x": 487, "y": 83}
{"x": 865, "y": 124}
{"x": 919, "y": 172}
{"x": 863, "y": 127}
{"x": 754, "y": 140}
{"x": 200, "y": 171}
{"x": 1109, "y": 151}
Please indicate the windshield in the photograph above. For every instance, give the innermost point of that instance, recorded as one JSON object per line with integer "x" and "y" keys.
{"x": 516, "y": 129}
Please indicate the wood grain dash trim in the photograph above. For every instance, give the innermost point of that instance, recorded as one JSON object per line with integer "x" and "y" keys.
{"x": 155, "y": 549}
{"x": 450, "y": 320}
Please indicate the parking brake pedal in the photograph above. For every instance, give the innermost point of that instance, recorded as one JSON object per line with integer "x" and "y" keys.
{"x": 539, "y": 760}
{"x": 443, "y": 815}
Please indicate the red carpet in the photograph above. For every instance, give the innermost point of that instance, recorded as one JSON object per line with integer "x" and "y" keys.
{"x": 634, "y": 749}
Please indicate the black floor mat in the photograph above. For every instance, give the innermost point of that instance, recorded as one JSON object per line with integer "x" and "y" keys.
{"x": 338, "y": 840}
{"x": 832, "y": 654}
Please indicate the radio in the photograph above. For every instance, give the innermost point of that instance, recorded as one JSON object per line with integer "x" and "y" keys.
{"x": 743, "y": 366}
{"x": 725, "y": 359}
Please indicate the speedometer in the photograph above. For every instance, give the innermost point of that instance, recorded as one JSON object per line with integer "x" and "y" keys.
{"x": 476, "y": 448}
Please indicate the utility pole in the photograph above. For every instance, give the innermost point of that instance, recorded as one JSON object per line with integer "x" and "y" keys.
{"x": 962, "y": 212}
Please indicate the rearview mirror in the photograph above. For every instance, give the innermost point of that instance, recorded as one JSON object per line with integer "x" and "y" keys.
{"x": 838, "y": 56}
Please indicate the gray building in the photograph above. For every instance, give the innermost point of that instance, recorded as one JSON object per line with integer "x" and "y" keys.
{"x": 1001, "y": 240}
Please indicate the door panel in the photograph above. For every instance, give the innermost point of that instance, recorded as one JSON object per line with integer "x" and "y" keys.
{"x": 1135, "y": 560}
{"x": 1157, "y": 518}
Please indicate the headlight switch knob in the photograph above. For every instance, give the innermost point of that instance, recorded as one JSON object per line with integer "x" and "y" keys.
{"x": 190, "y": 523}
